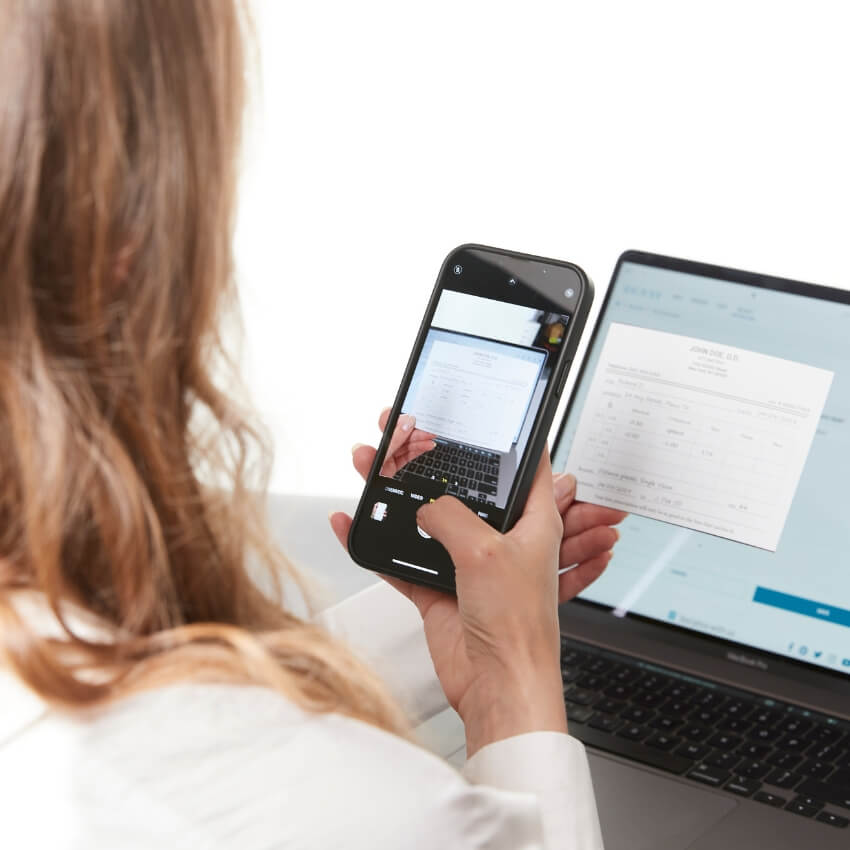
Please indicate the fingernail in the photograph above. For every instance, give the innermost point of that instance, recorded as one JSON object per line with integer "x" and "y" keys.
{"x": 564, "y": 486}
{"x": 407, "y": 422}
{"x": 357, "y": 446}
{"x": 610, "y": 554}
{"x": 616, "y": 532}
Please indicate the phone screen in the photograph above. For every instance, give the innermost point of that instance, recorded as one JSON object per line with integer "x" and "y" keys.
{"x": 483, "y": 363}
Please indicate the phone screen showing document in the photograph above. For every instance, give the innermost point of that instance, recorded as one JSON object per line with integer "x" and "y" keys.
{"x": 468, "y": 410}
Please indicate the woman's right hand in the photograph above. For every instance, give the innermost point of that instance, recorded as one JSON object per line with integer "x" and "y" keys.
{"x": 496, "y": 647}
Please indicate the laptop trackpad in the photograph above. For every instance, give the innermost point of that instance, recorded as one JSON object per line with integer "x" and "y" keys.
{"x": 639, "y": 810}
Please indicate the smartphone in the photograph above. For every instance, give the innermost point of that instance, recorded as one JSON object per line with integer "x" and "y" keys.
{"x": 482, "y": 383}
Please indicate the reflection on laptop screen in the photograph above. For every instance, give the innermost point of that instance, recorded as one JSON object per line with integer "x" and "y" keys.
{"x": 796, "y": 601}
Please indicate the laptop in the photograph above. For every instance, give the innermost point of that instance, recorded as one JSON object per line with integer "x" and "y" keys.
{"x": 710, "y": 679}
{"x": 482, "y": 466}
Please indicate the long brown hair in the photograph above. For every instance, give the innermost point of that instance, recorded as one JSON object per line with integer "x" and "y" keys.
{"x": 129, "y": 480}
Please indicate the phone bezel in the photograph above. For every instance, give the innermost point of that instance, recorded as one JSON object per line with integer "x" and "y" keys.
{"x": 579, "y": 309}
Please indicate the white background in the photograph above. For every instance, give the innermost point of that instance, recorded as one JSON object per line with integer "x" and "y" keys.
{"x": 386, "y": 133}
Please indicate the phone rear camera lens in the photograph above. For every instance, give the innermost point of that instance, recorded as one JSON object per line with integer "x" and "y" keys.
{"x": 458, "y": 269}
{"x": 512, "y": 282}
{"x": 569, "y": 292}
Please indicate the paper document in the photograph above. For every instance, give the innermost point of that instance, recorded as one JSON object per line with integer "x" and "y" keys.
{"x": 476, "y": 394}
{"x": 699, "y": 434}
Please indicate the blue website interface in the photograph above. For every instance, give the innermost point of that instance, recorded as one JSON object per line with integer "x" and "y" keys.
{"x": 795, "y": 601}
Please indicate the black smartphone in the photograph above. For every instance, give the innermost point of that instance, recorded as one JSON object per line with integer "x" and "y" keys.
{"x": 482, "y": 384}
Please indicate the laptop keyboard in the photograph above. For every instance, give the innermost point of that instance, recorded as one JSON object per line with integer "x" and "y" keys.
{"x": 467, "y": 472}
{"x": 746, "y": 745}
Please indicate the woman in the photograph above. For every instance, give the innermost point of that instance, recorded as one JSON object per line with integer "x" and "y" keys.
{"x": 152, "y": 695}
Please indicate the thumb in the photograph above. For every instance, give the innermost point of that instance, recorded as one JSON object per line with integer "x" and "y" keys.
{"x": 463, "y": 533}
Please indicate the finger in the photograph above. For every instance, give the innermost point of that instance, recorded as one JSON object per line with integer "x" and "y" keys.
{"x": 541, "y": 497}
{"x": 341, "y": 525}
{"x": 382, "y": 419}
{"x": 462, "y": 532}
{"x": 581, "y": 515}
{"x": 363, "y": 457}
{"x": 564, "y": 487}
{"x": 587, "y": 545}
{"x": 571, "y": 583}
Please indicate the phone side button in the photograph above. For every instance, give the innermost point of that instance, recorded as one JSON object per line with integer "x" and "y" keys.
{"x": 563, "y": 380}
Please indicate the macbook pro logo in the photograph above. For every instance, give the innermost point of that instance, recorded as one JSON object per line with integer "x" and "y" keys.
{"x": 747, "y": 660}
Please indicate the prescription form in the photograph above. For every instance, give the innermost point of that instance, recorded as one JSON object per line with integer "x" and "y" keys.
{"x": 702, "y": 435}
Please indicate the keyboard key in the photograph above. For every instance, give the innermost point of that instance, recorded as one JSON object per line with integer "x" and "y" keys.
{"x": 770, "y": 799}
{"x": 763, "y": 734}
{"x": 632, "y": 750}
{"x": 782, "y": 778}
{"x": 704, "y": 716}
{"x": 681, "y": 691}
{"x": 637, "y": 714}
{"x": 816, "y": 769}
{"x": 806, "y": 800}
{"x": 738, "y": 725}
{"x": 800, "y": 809}
{"x": 793, "y": 743}
{"x": 623, "y": 674}
{"x": 826, "y": 752}
{"x": 665, "y": 723}
{"x": 694, "y": 751}
{"x": 709, "y": 775}
{"x": 592, "y": 682}
{"x": 610, "y": 706}
{"x": 620, "y": 692}
{"x": 633, "y": 732}
{"x": 739, "y": 708}
{"x": 662, "y": 741}
{"x": 827, "y": 734}
{"x": 570, "y": 674}
{"x": 605, "y": 722}
{"x": 765, "y": 717}
{"x": 648, "y": 699}
{"x": 838, "y": 795}
{"x": 694, "y": 732}
{"x": 788, "y": 761}
{"x": 754, "y": 769}
{"x": 711, "y": 699}
{"x": 725, "y": 760}
{"x": 581, "y": 696}
{"x": 840, "y": 777}
{"x": 676, "y": 707}
{"x": 833, "y": 820}
{"x": 795, "y": 726}
{"x": 600, "y": 665}
{"x": 743, "y": 786}
{"x": 724, "y": 742}
{"x": 754, "y": 751}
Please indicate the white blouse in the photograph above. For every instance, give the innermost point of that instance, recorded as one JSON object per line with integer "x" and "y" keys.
{"x": 224, "y": 766}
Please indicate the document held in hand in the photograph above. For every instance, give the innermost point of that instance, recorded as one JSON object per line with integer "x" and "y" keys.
{"x": 699, "y": 434}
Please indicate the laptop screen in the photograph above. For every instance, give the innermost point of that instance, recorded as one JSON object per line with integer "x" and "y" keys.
{"x": 794, "y": 601}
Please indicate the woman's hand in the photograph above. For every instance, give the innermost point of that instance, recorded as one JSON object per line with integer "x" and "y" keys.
{"x": 495, "y": 648}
